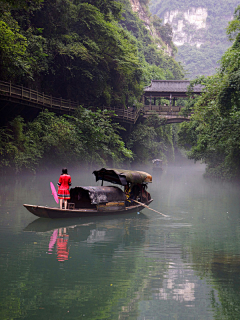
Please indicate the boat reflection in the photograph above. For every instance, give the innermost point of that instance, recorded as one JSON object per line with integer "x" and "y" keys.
{"x": 108, "y": 230}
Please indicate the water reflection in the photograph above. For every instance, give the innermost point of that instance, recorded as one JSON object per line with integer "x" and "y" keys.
{"x": 134, "y": 266}
{"x": 52, "y": 241}
{"x": 61, "y": 239}
{"x": 109, "y": 230}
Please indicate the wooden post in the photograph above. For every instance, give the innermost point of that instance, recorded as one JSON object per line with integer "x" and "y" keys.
{"x": 22, "y": 92}
{"x": 10, "y": 88}
{"x": 43, "y": 97}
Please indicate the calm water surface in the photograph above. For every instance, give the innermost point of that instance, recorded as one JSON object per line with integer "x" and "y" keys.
{"x": 139, "y": 266}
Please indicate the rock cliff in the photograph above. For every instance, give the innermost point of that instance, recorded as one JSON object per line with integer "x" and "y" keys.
{"x": 188, "y": 26}
{"x": 146, "y": 18}
{"x": 191, "y": 25}
{"x": 199, "y": 31}
{"x": 137, "y": 7}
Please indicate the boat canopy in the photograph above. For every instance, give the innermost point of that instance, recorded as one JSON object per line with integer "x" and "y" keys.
{"x": 156, "y": 160}
{"x": 96, "y": 195}
{"x": 122, "y": 177}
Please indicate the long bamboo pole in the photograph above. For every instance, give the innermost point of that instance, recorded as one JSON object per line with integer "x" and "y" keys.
{"x": 144, "y": 205}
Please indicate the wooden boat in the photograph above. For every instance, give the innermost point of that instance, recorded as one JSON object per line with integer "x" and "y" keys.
{"x": 157, "y": 165}
{"x": 101, "y": 200}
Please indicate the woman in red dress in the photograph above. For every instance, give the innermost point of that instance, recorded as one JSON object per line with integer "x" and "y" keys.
{"x": 63, "y": 188}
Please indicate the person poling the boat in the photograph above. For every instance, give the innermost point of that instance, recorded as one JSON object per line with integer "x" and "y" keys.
{"x": 63, "y": 188}
{"x": 132, "y": 192}
{"x": 127, "y": 191}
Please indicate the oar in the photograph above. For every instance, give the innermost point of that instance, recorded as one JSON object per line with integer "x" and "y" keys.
{"x": 144, "y": 205}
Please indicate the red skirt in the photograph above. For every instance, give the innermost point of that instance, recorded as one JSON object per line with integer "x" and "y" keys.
{"x": 63, "y": 194}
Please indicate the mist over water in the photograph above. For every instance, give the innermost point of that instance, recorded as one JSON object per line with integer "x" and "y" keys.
{"x": 138, "y": 266}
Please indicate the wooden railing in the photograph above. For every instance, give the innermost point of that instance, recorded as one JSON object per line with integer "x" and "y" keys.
{"x": 159, "y": 108}
{"x": 131, "y": 115}
{"x": 128, "y": 115}
{"x": 19, "y": 92}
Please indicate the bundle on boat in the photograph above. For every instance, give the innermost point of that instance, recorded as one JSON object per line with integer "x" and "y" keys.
{"x": 123, "y": 177}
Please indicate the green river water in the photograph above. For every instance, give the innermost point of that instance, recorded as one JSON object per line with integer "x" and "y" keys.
{"x": 141, "y": 266}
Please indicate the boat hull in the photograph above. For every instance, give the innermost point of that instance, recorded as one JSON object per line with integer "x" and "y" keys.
{"x": 56, "y": 213}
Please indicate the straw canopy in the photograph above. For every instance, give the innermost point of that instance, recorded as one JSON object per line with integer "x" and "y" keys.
{"x": 122, "y": 177}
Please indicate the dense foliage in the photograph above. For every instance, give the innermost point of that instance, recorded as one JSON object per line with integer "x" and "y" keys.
{"x": 93, "y": 52}
{"x": 213, "y": 134}
{"x": 156, "y": 63}
{"x": 88, "y": 137}
{"x": 203, "y": 60}
{"x": 151, "y": 139}
{"x": 98, "y": 53}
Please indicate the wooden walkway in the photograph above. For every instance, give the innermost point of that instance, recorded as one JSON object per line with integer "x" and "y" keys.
{"x": 21, "y": 95}
{"x": 31, "y": 98}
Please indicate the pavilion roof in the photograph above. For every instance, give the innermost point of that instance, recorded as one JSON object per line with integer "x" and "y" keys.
{"x": 171, "y": 86}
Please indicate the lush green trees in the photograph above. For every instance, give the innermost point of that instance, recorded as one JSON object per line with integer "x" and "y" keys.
{"x": 22, "y": 49}
{"x": 156, "y": 64}
{"x": 80, "y": 50}
{"x": 98, "y": 53}
{"x": 72, "y": 49}
{"x": 213, "y": 133}
{"x": 12, "y": 53}
{"x": 151, "y": 139}
{"x": 88, "y": 137}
